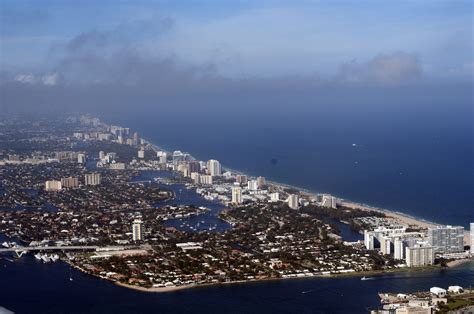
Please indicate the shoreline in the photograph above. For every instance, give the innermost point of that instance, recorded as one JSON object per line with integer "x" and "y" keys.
{"x": 409, "y": 219}
{"x": 369, "y": 274}
{"x": 403, "y": 218}
{"x": 458, "y": 262}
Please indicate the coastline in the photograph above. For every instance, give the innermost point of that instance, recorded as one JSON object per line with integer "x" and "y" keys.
{"x": 246, "y": 282}
{"x": 401, "y": 217}
{"x": 351, "y": 204}
{"x": 459, "y": 262}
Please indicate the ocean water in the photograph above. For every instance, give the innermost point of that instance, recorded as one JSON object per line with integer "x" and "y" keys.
{"x": 417, "y": 159}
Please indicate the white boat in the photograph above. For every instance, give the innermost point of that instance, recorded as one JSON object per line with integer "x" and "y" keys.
{"x": 38, "y": 256}
{"x": 9, "y": 244}
{"x": 54, "y": 257}
{"x": 45, "y": 258}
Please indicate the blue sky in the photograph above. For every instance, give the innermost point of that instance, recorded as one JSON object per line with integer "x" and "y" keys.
{"x": 241, "y": 39}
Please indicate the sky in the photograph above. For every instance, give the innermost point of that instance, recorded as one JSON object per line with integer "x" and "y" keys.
{"x": 57, "y": 49}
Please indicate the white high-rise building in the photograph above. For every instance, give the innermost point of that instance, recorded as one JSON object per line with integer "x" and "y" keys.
{"x": 178, "y": 156}
{"x": 195, "y": 177}
{"x": 236, "y": 195}
{"x": 141, "y": 153}
{"x": 52, "y": 185}
{"x": 137, "y": 230}
{"x": 252, "y": 185}
{"x": 369, "y": 240}
{"x": 274, "y": 197}
{"x": 419, "y": 256}
{"x": 328, "y": 201}
{"x": 214, "y": 167}
{"x": 92, "y": 178}
{"x": 81, "y": 158}
{"x": 293, "y": 201}
{"x": 446, "y": 239}
{"x": 163, "y": 157}
{"x": 101, "y": 155}
{"x": 399, "y": 248}
{"x": 385, "y": 245}
{"x": 472, "y": 237}
{"x": 205, "y": 179}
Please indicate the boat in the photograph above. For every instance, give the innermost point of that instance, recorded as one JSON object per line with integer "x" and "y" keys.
{"x": 366, "y": 278}
{"x": 38, "y": 256}
{"x": 45, "y": 258}
{"x": 54, "y": 257}
{"x": 9, "y": 244}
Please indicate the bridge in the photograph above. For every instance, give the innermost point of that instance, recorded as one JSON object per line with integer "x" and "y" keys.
{"x": 53, "y": 248}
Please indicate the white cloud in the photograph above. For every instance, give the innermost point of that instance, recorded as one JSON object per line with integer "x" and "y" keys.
{"x": 25, "y": 78}
{"x": 50, "y": 79}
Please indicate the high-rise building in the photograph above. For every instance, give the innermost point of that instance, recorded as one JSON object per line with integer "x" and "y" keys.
{"x": 328, "y": 201}
{"x": 399, "y": 248}
{"x": 141, "y": 153}
{"x": 135, "y": 140}
{"x": 214, "y": 167}
{"x": 472, "y": 237}
{"x": 293, "y": 201}
{"x": 52, "y": 186}
{"x": 163, "y": 157}
{"x": 101, "y": 155}
{"x": 419, "y": 256}
{"x": 260, "y": 182}
{"x": 446, "y": 239}
{"x": 195, "y": 177}
{"x": 236, "y": 195}
{"x": 81, "y": 158}
{"x": 178, "y": 156}
{"x": 205, "y": 179}
{"x": 194, "y": 166}
{"x": 137, "y": 230}
{"x": 71, "y": 182}
{"x": 274, "y": 197}
{"x": 92, "y": 178}
{"x": 241, "y": 179}
{"x": 252, "y": 185}
{"x": 384, "y": 238}
{"x": 385, "y": 245}
{"x": 369, "y": 240}
{"x": 182, "y": 168}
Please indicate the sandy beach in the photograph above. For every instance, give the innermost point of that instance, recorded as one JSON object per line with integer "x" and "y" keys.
{"x": 400, "y": 217}
{"x": 459, "y": 262}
